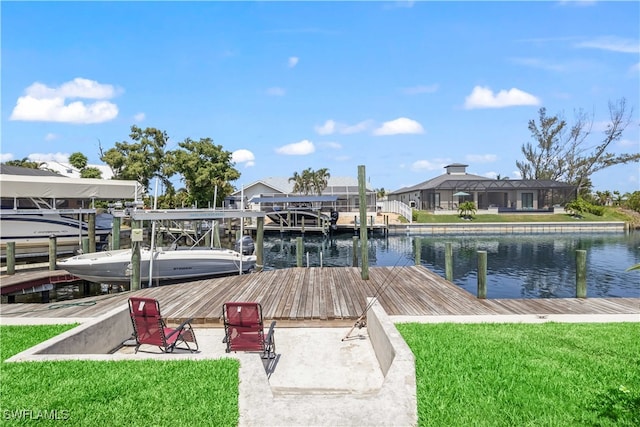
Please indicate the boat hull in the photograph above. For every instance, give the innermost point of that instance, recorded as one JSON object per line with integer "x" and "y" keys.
{"x": 114, "y": 267}
{"x": 31, "y": 234}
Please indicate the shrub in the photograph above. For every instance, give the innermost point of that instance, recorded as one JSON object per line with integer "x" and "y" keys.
{"x": 466, "y": 210}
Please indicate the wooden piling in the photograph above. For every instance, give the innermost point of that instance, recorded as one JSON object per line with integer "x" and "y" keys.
{"x": 482, "y": 274}
{"x": 91, "y": 226}
{"x": 260, "y": 243}
{"x": 53, "y": 252}
{"x": 417, "y": 241}
{"x": 85, "y": 245}
{"x": 581, "y": 273}
{"x": 354, "y": 258}
{"x": 364, "y": 245}
{"x": 299, "y": 251}
{"x": 136, "y": 242}
{"x": 115, "y": 238}
{"x": 216, "y": 234}
{"x": 448, "y": 261}
{"x": 11, "y": 258}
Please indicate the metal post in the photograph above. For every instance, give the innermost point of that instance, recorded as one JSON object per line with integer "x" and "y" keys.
{"x": 482, "y": 274}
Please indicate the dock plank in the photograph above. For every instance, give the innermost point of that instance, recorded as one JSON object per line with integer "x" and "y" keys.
{"x": 323, "y": 296}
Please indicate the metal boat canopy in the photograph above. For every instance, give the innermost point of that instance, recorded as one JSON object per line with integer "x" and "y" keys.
{"x": 60, "y": 187}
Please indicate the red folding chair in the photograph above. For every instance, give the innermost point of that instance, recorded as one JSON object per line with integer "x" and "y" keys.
{"x": 244, "y": 329}
{"x": 149, "y": 327}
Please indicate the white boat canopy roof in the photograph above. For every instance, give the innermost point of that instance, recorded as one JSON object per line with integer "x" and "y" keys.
{"x": 60, "y": 187}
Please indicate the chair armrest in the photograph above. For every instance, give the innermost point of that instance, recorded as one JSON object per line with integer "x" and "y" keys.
{"x": 180, "y": 327}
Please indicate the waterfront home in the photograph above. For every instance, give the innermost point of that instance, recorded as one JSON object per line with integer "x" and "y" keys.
{"x": 447, "y": 191}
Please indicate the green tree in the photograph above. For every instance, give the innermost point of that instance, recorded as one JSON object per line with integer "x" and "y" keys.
{"x": 78, "y": 160}
{"x": 633, "y": 201}
{"x": 90, "y": 172}
{"x": 380, "y": 192}
{"x": 562, "y": 153}
{"x": 467, "y": 210}
{"x": 310, "y": 181}
{"x": 320, "y": 180}
{"x": 25, "y": 163}
{"x": 204, "y": 166}
{"x": 141, "y": 160}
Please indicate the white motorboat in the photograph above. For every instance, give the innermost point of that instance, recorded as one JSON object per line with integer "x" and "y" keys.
{"x": 169, "y": 265}
{"x": 30, "y": 230}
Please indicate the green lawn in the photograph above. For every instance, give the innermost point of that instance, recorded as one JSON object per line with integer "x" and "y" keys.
{"x": 609, "y": 215}
{"x": 526, "y": 375}
{"x": 105, "y": 393}
{"x": 467, "y": 375}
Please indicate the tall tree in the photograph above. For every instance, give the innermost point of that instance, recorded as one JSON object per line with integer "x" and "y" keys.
{"x": 204, "y": 166}
{"x": 91, "y": 172}
{"x": 561, "y": 153}
{"x": 310, "y": 181}
{"x": 78, "y": 160}
{"x": 320, "y": 180}
{"x": 141, "y": 160}
{"x": 25, "y": 163}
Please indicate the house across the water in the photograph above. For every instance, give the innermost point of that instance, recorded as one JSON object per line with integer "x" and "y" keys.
{"x": 447, "y": 191}
{"x": 341, "y": 194}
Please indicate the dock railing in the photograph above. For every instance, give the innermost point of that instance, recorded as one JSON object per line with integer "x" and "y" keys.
{"x": 397, "y": 207}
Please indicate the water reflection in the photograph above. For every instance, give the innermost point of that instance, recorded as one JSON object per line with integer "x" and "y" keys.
{"x": 519, "y": 266}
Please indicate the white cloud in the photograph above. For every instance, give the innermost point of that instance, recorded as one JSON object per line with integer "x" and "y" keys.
{"x": 540, "y": 63}
{"x": 399, "y": 126}
{"x": 331, "y": 145}
{"x": 614, "y": 44}
{"x": 415, "y": 90}
{"x": 275, "y": 91}
{"x": 492, "y": 175}
{"x": 49, "y": 157}
{"x": 327, "y": 128}
{"x": 357, "y": 128}
{"x": 481, "y": 158}
{"x": 301, "y": 148}
{"x": 139, "y": 117}
{"x": 331, "y": 126}
{"x": 50, "y": 137}
{"x": 483, "y": 97}
{"x": 42, "y": 103}
{"x": 5, "y": 157}
{"x": 517, "y": 174}
{"x": 427, "y": 165}
{"x": 243, "y": 156}
{"x": 293, "y": 61}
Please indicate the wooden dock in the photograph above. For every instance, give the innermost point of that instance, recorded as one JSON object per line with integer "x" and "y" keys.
{"x": 323, "y": 296}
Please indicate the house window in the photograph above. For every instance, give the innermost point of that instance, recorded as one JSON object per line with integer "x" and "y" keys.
{"x": 527, "y": 200}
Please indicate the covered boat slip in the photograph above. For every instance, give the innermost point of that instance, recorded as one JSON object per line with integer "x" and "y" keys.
{"x": 325, "y": 297}
{"x": 60, "y": 187}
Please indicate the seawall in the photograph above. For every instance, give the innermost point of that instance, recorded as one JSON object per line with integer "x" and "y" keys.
{"x": 510, "y": 228}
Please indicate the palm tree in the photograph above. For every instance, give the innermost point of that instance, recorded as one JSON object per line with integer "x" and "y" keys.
{"x": 321, "y": 180}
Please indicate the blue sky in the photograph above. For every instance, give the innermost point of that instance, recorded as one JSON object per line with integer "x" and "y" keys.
{"x": 403, "y": 88}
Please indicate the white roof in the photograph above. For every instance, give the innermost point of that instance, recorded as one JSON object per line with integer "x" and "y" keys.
{"x": 60, "y": 187}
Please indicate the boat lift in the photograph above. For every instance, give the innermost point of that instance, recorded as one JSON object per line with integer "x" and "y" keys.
{"x": 135, "y": 214}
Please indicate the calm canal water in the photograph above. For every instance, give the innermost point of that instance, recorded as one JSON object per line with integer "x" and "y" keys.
{"x": 522, "y": 266}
